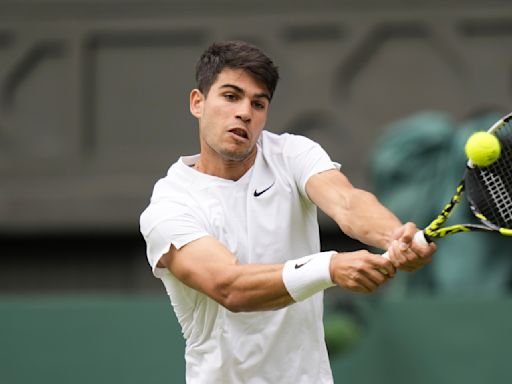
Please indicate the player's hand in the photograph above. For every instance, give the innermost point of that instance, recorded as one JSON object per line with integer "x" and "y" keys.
{"x": 360, "y": 271}
{"x": 407, "y": 255}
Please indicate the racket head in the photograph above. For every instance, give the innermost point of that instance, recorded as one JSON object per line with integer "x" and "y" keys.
{"x": 489, "y": 189}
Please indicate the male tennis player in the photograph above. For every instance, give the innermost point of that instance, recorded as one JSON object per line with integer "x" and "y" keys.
{"x": 232, "y": 233}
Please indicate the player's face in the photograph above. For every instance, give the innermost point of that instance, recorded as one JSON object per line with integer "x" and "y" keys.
{"x": 231, "y": 116}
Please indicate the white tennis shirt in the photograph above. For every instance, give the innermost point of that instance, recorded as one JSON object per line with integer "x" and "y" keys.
{"x": 264, "y": 217}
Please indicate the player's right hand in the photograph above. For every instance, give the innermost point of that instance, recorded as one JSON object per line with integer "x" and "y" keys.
{"x": 360, "y": 271}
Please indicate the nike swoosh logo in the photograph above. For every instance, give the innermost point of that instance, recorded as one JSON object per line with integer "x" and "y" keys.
{"x": 297, "y": 266}
{"x": 256, "y": 193}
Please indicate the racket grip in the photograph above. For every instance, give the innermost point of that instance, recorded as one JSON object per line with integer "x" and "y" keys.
{"x": 419, "y": 238}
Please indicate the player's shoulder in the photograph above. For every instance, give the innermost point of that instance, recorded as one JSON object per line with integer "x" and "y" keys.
{"x": 174, "y": 188}
{"x": 172, "y": 181}
{"x": 287, "y": 144}
{"x": 169, "y": 200}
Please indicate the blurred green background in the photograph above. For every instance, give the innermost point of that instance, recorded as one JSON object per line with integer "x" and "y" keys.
{"x": 93, "y": 110}
{"x": 137, "y": 340}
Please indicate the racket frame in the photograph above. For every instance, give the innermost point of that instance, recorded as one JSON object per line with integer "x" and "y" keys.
{"x": 434, "y": 230}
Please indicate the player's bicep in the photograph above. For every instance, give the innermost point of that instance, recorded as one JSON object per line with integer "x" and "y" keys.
{"x": 199, "y": 264}
{"x": 330, "y": 191}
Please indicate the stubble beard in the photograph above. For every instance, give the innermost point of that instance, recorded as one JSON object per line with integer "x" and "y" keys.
{"x": 235, "y": 156}
{"x": 227, "y": 154}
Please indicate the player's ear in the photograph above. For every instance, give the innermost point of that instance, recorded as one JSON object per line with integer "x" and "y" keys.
{"x": 196, "y": 103}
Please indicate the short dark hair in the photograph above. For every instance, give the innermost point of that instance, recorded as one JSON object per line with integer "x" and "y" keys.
{"x": 235, "y": 55}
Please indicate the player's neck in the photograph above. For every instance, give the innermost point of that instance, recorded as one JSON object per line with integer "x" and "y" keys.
{"x": 223, "y": 168}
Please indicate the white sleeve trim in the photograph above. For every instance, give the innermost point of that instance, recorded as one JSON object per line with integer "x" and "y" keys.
{"x": 159, "y": 241}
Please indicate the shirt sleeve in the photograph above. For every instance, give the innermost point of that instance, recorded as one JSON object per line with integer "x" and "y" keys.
{"x": 306, "y": 158}
{"x": 163, "y": 225}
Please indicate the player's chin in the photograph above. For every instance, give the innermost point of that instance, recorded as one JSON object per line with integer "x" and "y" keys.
{"x": 237, "y": 153}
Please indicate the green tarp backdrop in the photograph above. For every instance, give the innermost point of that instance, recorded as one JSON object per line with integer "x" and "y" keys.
{"x": 125, "y": 340}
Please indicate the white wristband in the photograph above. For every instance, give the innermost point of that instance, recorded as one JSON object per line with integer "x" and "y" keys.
{"x": 308, "y": 275}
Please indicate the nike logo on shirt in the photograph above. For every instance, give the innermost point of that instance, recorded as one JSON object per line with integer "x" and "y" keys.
{"x": 258, "y": 193}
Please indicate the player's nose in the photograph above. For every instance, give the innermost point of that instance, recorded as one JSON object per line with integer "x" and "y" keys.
{"x": 244, "y": 111}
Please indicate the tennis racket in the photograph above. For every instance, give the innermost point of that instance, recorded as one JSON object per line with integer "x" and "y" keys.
{"x": 488, "y": 191}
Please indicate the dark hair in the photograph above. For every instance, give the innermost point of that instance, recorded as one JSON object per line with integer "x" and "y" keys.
{"x": 235, "y": 55}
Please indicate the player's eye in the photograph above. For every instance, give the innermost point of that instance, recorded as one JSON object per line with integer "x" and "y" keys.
{"x": 230, "y": 97}
{"x": 259, "y": 105}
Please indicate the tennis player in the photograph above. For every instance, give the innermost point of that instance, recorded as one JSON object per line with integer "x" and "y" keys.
{"x": 232, "y": 233}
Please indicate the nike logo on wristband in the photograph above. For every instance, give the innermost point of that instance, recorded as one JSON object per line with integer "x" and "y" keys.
{"x": 297, "y": 266}
{"x": 256, "y": 193}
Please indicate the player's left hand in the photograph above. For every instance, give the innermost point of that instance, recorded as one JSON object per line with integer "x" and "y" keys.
{"x": 407, "y": 255}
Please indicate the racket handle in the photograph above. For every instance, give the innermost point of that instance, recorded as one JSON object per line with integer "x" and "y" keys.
{"x": 419, "y": 238}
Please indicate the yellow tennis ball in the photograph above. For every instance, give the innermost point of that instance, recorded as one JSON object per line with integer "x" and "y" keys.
{"x": 483, "y": 148}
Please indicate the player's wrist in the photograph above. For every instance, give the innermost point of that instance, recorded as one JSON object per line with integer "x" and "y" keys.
{"x": 308, "y": 275}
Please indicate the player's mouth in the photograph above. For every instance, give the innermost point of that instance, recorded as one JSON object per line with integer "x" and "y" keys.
{"x": 239, "y": 133}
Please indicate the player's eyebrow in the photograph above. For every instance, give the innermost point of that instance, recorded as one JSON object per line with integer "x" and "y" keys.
{"x": 240, "y": 90}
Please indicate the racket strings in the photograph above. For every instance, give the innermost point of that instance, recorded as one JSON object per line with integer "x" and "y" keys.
{"x": 489, "y": 189}
{"x": 500, "y": 196}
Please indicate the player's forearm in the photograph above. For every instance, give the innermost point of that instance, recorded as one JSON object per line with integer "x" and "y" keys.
{"x": 364, "y": 218}
{"x": 358, "y": 213}
{"x": 301, "y": 278}
{"x": 246, "y": 288}
{"x": 209, "y": 267}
